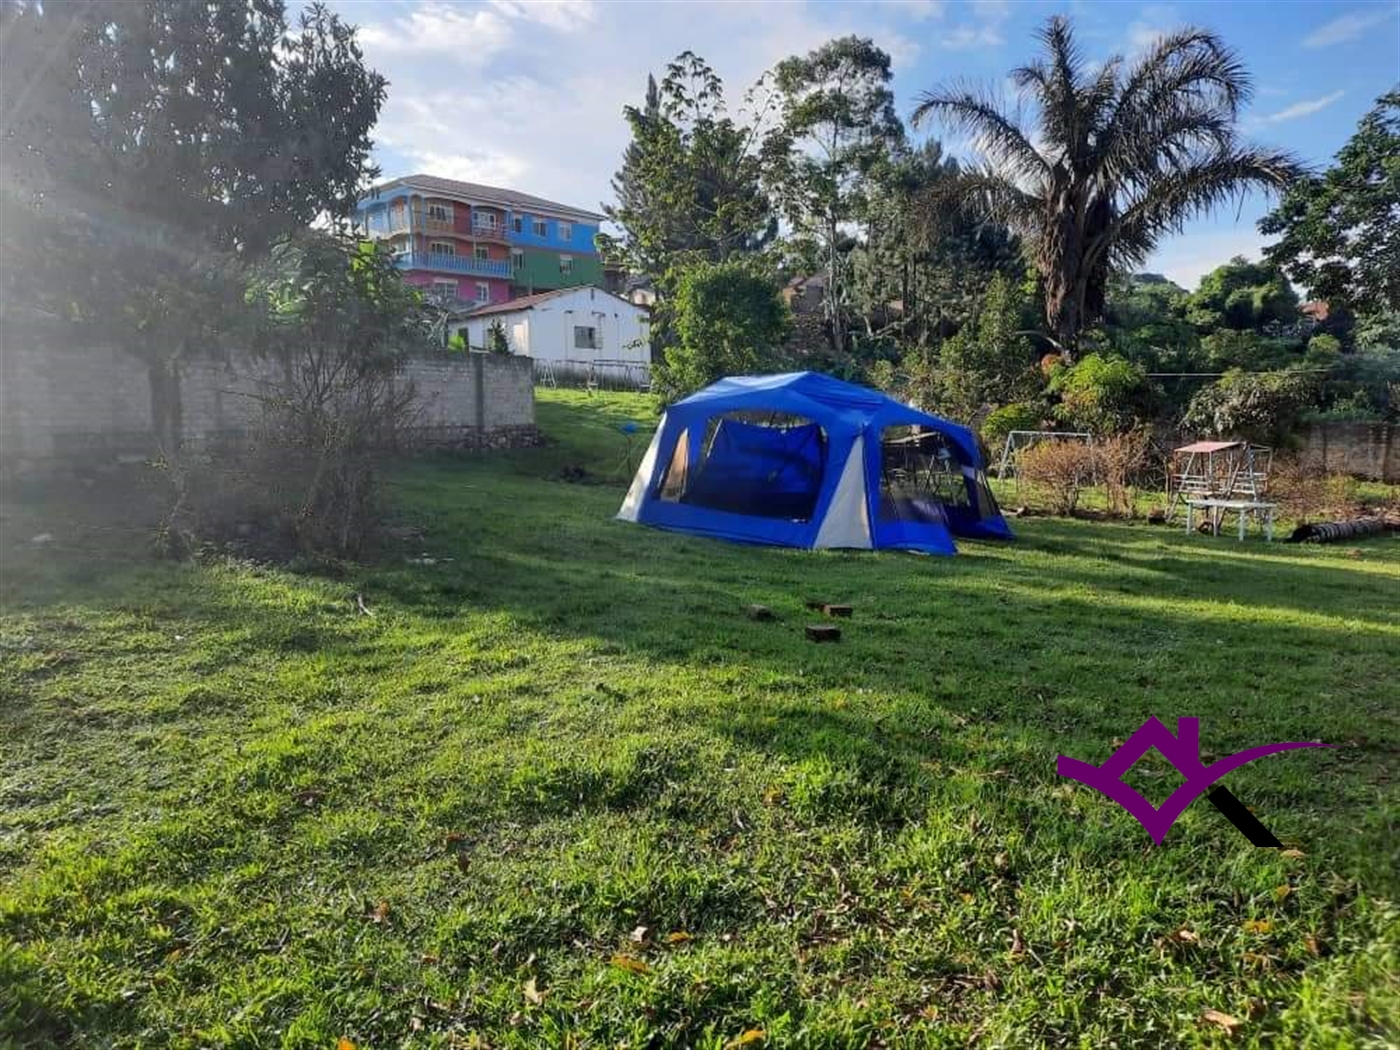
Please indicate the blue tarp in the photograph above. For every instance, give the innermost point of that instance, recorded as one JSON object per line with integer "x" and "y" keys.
{"x": 741, "y": 480}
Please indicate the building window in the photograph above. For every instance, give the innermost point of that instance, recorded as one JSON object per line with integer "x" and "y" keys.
{"x": 481, "y": 253}
{"x": 517, "y": 260}
{"x": 444, "y": 289}
{"x": 586, "y": 338}
{"x": 441, "y": 248}
{"x": 518, "y": 223}
{"x": 483, "y": 292}
{"x": 441, "y": 212}
{"x": 541, "y": 228}
{"x": 486, "y": 220}
{"x": 566, "y": 231}
{"x": 566, "y": 264}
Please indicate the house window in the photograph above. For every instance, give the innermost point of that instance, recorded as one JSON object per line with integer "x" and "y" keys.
{"x": 566, "y": 231}
{"x": 519, "y": 223}
{"x": 541, "y": 228}
{"x": 486, "y": 220}
{"x": 481, "y": 253}
{"x": 586, "y": 338}
{"x": 441, "y": 212}
{"x": 517, "y": 260}
{"x": 444, "y": 288}
{"x": 566, "y": 264}
{"x": 483, "y": 292}
{"x": 441, "y": 248}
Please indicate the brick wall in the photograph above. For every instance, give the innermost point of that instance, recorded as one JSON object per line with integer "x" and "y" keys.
{"x": 87, "y": 405}
{"x": 1364, "y": 450}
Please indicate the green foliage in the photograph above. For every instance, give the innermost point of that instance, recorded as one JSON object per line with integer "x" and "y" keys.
{"x": 1341, "y": 230}
{"x": 729, "y": 320}
{"x": 1245, "y": 296}
{"x": 1023, "y": 415}
{"x": 837, "y": 126}
{"x": 496, "y": 340}
{"x": 457, "y": 342}
{"x": 1232, "y": 348}
{"x": 1263, "y": 407}
{"x": 1102, "y": 395}
{"x": 1123, "y": 153}
{"x": 689, "y": 186}
{"x": 160, "y": 147}
{"x": 986, "y": 364}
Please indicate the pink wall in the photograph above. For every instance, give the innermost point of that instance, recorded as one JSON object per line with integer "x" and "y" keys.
{"x": 466, "y": 286}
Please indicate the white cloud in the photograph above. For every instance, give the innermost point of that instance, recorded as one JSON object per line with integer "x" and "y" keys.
{"x": 530, "y": 95}
{"x": 1153, "y": 22}
{"x": 986, "y": 29}
{"x": 1349, "y": 26}
{"x": 1187, "y": 258}
{"x": 434, "y": 28}
{"x": 919, "y": 10}
{"x": 1302, "y": 109}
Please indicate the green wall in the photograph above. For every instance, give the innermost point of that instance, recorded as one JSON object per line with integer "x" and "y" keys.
{"x": 541, "y": 272}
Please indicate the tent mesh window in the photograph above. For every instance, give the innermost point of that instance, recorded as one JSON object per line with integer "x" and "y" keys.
{"x": 763, "y": 464}
{"x": 921, "y": 477}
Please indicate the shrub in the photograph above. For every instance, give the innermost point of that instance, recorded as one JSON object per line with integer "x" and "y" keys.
{"x": 1306, "y": 493}
{"x": 1261, "y": 407}
{"x": 496, "y": 341}
{"x": 1102, "y": 394}
{"x": 1023, "y": 415}
{"x": 728, "y": 319}
{"x": 1119, "y": 461}
{"x": 1060, "y": 468}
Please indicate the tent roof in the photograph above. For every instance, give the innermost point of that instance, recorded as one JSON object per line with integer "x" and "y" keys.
{"x": 1209, "y": 446}
{"x": 804, "y": 393}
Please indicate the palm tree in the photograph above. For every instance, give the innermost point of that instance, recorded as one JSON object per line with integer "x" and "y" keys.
{"x": 1121, "y": 155}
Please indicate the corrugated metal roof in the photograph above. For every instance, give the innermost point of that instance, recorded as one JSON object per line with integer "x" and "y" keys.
{"x": 490, "y": 194}
{"x": 1210, "y": 446}
{"x": 525, "y": 302}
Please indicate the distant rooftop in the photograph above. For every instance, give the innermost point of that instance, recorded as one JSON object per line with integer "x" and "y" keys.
{"x": 488, "y": 194}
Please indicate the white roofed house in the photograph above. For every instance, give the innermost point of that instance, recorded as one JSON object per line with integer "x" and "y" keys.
{"x": 585, "y": 333}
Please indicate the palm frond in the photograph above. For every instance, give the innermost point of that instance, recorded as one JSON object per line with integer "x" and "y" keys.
{"x": 1164, "y": 205}
{"x": 999, "y": 135}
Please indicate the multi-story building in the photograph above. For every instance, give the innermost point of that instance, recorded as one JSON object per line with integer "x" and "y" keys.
{"x": 480, "y": 244}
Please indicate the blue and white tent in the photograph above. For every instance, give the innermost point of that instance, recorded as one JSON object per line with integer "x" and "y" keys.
{"x": 804, "y": 460}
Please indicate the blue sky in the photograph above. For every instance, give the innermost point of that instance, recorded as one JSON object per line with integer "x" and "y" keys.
{"x": 529, "y": 94}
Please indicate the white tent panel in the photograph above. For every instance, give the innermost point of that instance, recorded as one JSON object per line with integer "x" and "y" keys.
{"x": 632, "y": 505}
{"x": 847, "y": 521}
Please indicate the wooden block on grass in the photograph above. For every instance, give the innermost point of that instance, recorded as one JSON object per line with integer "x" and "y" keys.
{"x": 815, "y": 605}
{"x": 837, "y": 610}
{"x": 823, "y": 632}
{"x": 760, "y": 612}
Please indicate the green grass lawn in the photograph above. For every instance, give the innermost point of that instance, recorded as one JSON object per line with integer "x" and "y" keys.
{"x": 559, "y": 791}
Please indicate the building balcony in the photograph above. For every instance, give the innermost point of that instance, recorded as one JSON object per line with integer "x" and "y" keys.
{"x": 453, "y": 264}
{"x": 488, "y": 231}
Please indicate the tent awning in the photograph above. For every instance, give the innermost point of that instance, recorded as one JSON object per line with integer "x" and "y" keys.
{"x": 1209, "y": 446}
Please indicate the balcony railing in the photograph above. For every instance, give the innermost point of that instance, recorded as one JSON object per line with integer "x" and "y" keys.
{"x": 453, "y": 264}
{"x": 494, "y": 231}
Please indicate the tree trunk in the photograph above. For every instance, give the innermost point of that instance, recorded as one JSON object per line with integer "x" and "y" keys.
{"x": 833, "y": 302}
{"x": 166, "y": 414}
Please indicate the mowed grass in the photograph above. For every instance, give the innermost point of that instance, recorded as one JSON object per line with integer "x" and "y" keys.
{"x": 559, "y": 791}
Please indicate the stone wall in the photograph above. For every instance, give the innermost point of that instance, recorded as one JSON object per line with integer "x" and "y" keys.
{"x": 1364, "y": 450}
{"x": 89, "y": 405}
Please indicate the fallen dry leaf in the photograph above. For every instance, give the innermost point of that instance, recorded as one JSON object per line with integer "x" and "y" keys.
{"x": 678, "y": 937}
{"x": 344, "y": 1044}
{"x": 626, "y": 962}
{"x": 1310, "y": 943}
{"x": 1185, "y": 936}
{"x": 1292, "y": 854}
{"x": 1222, "y": 1020}
{"x": 967, "y": 898}
{"x": 641, "y": 935}
{"x": 1258, "y": 926}
{"x": 532, "y": 993}
{"x": 1280, "y": 892}
{"x": 380, "y": 913}
{"x": 751, "y": 1037}
{"x": 1018, "y": 946}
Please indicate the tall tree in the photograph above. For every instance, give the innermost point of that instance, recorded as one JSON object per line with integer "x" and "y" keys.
{"x": 1341, "y": 230}
{"x": 153, "y": 149}
{"x": 1122, "y": 154}
{"x": 688, "y": 189}
{"x": 837, "y": 125}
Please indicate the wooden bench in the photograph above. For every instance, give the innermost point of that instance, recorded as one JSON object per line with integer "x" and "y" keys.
{"x": 1218, "y": 508}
